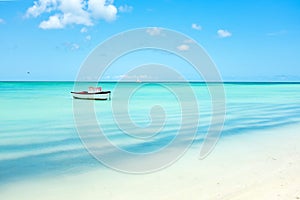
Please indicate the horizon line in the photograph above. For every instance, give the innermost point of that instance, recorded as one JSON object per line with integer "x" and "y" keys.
{"x": 226, "y": 82}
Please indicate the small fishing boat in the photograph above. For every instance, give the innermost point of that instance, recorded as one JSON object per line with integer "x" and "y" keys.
{"x": 94, "y": 93}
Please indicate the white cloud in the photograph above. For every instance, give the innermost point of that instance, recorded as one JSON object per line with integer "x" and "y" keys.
{"x": 72, "y": 46}
{"x": 183, "y": 47}
{"x": 83, "y": 30}
{"x": 74, "y": 12}
{"x": 40, "y": 7}
{"x": 65, "y": 12}
{"x": 2, "y": 21}
{"x": 154, "y": 31}
{"x": 282, "y": 32}
{"x": 52, "y": 22}
{"x": 101, "y": 10}
{"x": 189, "y": 41}
{"x": 88, "y": 37}
{"x": 196, "y": 27}
{"x": 223, "y": 33}
{"x": 125, "y": 9}
{"x": 75, "y": 46}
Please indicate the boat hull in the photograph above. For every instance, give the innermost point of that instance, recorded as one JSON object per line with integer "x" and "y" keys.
{"x": 92, "y": 96}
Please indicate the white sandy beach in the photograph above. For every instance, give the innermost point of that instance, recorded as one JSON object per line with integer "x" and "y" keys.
{"x": 257, "y": 165}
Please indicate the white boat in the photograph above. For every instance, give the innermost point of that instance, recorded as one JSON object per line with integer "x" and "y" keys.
{"x": 92, "y": 94}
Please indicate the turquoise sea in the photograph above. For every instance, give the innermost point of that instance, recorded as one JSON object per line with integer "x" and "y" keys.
{"x": 38, "y": 135}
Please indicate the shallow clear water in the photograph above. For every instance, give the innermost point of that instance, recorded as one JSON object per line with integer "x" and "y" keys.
{"x": 38, "y": 135}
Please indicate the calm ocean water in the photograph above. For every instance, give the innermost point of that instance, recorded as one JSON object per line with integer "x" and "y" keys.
{"x": 38, "y": 135}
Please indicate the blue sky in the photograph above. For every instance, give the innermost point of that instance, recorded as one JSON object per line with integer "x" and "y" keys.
{"x": 248, "y": 40}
